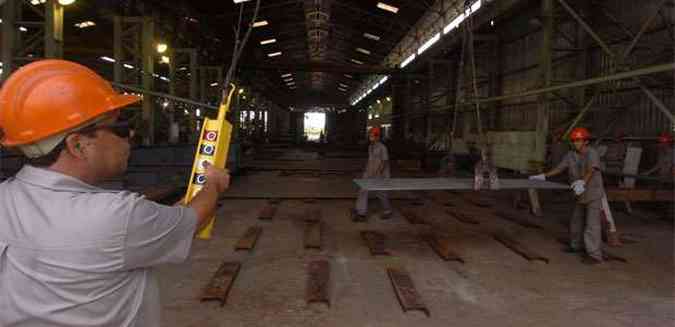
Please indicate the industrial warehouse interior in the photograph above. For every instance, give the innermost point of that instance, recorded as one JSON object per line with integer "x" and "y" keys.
{"x": 337, "y": 163}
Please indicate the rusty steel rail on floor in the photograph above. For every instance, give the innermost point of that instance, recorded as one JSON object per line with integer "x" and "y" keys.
{"x": 405, "y": 291}
{"x": 312, "y": 214}
{"x": 462, "y": 217}
{"x": 375, "y": 242}
{"x": 267, "y": 212}
{"x": 318, "y": 282}
{"x": 442, "y": 247}
{"x": 518, "y": 248}
{"x": 249, "y": 239}
{"x": 412, "y": 216}
{"x": 312, "y": 233}
{"x": 516, "y": 217}
{"x": 219, "y": 287}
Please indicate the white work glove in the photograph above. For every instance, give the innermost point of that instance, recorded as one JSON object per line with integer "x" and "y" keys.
{"x": 540, "y": 177}
{"x": 579, "y": 187}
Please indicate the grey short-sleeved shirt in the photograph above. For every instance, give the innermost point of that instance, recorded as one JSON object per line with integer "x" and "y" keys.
{"x": 72, "y": 254}
{"x": 577, "y": 165}
{"x": 377, "y": 155}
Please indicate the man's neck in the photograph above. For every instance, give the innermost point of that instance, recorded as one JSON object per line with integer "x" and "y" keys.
{"x": 79, "y": 174}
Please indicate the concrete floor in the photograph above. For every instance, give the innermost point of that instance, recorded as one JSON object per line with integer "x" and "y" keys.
{"x": 495, "y": 287}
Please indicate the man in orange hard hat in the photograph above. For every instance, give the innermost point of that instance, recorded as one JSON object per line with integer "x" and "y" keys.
{"x": 377, "y": 167}
{"x": 583, "y": 165}
{"x": 664, "y": 165}
{"x": 71, "y": 253}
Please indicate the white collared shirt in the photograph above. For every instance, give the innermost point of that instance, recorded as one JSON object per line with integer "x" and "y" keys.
{"x": 72, "y": 254}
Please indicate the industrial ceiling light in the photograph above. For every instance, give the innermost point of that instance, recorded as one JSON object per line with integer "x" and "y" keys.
{"x": 371, "y": 36}
{"x": 260, "y": 23}
{"x": 343, "y": 85}
{"x": 85, "y": 24}
{"x": 359, "y": 62}
{"x": 362, "y": 50}
{"x": 288, "y": 79}
{"x": 66, "y": 2}
{"x": 348, "y": 76}
{"x": 240, "y": 1}
{"x": 162, "y": 47}
{"x": 241, "y": 91}
{"x": 274, "y": 54}
{"x": 37, "y": 2}
{"x": 165, "y": 60}
{"x": 269, "y": 41}
{"x": 286, "y": 75}
{"x": 387, "y": 7}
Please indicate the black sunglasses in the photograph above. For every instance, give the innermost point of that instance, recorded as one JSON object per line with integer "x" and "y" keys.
{"x": 121, "y": 129}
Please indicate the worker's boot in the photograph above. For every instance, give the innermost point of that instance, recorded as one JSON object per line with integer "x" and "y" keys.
{"x": 356, "y": 217}
{"x": 613, "y": 239}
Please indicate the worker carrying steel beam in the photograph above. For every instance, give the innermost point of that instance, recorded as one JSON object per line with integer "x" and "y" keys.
{"x": 72, "y": 253}
{"x": 377, "y": 167}
{"x": 583, "y": 165}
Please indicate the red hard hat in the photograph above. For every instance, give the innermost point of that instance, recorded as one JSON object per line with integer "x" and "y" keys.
{"x": 375, "y": 131}
{"x": 48, "y": 97}
{"x": 666, "y": 137}
{"x": 580, "y": 133}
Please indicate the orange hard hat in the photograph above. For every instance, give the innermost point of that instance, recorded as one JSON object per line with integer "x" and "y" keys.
{"x": 375, "y": 131}
{"x": 48, "y": 97}
{"x": 666, "y": 138}
{"x": 580, "y": 133}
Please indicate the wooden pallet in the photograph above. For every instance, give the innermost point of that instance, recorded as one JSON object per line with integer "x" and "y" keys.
{"x": 318, "y": 282}
{"x": 220, "y": 284}
{"x": 405, "y": 291}
{"x": 249, "y": 239}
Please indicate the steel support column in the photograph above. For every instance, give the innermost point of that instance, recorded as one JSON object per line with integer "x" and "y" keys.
{"x": 148, "y": 56}
{"x": 545, "y": 60}
{"x": 43, "y": 39}
{"x": 53, "y": 29}
{"x": 9, "y": 31}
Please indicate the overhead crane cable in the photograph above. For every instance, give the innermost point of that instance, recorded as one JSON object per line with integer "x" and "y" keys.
{"x": 215, "y": 135}
{"x": 460, "y": 96}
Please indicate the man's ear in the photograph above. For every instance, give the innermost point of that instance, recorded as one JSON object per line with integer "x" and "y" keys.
{"x": 74, "y": 145}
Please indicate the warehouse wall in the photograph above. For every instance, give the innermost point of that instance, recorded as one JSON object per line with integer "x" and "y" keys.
{"x": 510, "y": 65}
